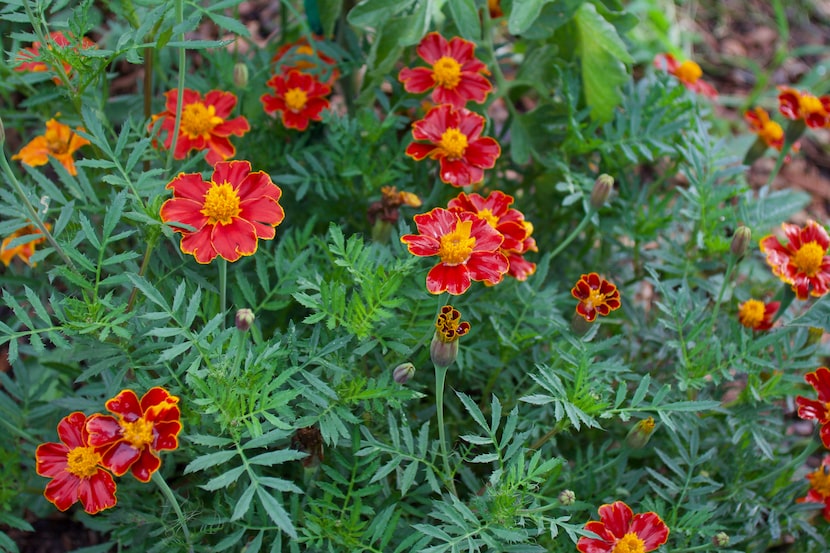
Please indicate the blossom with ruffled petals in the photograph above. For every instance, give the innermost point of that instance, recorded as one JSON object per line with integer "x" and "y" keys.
{"x": 596, "y": 296}
{"x": 688, "y": 72}
{"x": 454, "y": 73}
{"x": 25, "y": 250}
{"x": 31, "y": 59}
{"x": 803, "y": 261}
{"x": 140, "y": 429}
{"x": 299, "y": 97}
{"x": 455, "y": 140}
{"x": 621, "y": 531}
{"x": 756, "y": 314}
{"x": 74, "y": 466}
{"x": 308, "y": 58}
{"x": 819, "y": 488}
{"x": 58, "y": 142}
{"x": 205, "y": 124}
{"x": 468, "y": 248}
{"x": 229, "y": 213}
{"x": 794, "y": 104}
{"x": 819, "y": 410}
{"x": 767, "y": 130}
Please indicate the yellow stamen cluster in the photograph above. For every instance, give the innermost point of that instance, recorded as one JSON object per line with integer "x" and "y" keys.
{"x": 689, "y": 72}
{"x": 630, "y": 543}
{"x": 138, "y": 433}
{"x": 296, "y": 99}
{"x": 751, "y": 313}
{"x": 199, "y": 120}
{"x": 453, "y": 143}
{"x": 446, "y": 72}
{"x": 457, "y": 246}
{"x": 221, "y": 204}
{"x": 83, "y": 462}
{"x": 820, "y": 480}
{"x": 808, "y": 258}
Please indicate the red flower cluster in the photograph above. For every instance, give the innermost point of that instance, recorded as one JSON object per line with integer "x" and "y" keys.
{"x": 814, "y": 110}
{"x": 688, "y": 72}
{"x": 93, "y": 448}
{"x": 620, "y": 530}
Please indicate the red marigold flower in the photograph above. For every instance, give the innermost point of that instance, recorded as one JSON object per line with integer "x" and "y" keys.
{"x": 455, "y": 73}
{"x": 74, "y": 467}
{"x": 819, "y": 487}
{"x": 688, "y": 72}
{"x": 509, "y": 222}
{"x": 467, "y": 245}
{"x": 756, "y": 314}
{"x": 767, "y": 130}
{"x": 802, "y": 262}
{"x": 204, "y": 124}
{"x": 229, "y": 213}
{"x": 596, "y": 296}
{"x": 58, "y": 142}
{"x": 810, "y": 409}
{"x": 25, "y": 250}
{"x": 30, "y": 59}
{"x": 141, "y": 428}
{"x": 794, "y": 104}
{"x": 307, "y": 58}
{"x": 299, "y": 98}
{"x": 620, "y": 530}
{"x": 456, "y": 142}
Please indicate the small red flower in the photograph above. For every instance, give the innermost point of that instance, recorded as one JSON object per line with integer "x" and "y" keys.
{"x": 456, "y": 142}
{"x": 810, "y": 409}
{"x": 308, "y": 58}
{"x": 74, "y": 467}
{"x": 620, "y": 530}
{"x": 299, "y": 97}
{"x": 204, "y": 124}
{"x": 596, "y": 296}
{"x": 141, "y": 429}
{"x": 466, "y": 244}
{"x": 454, "y": 72}
{"x": 794, "y": 104}
{"x": 767, "y": 130}
{"x": 756, "y": 314}
{"x": 689, "y": 73}
{"x": 802, "y": 262}
{"x": 229, "y": 213}
{"x": 819, "y": 487}
{"x": 31, "y": 59}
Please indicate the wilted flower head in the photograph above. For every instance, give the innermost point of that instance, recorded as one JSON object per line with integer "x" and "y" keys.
{"x": 640, "y": 433}
{"x": 307, "y": 57}
{"x": 803, "y": 261}
{"x": 58, "y": 142}
{"x": 767, "y": 130}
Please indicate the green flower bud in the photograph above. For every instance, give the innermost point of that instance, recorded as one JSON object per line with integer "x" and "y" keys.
{"x": 240, "y": 75}
{"x": 602, "y": 189}
{"x": 641, "y": 433}
{"x": 403, "y": 372}
{"x": 740, "y": 241}
{"x": 721, "y": 539}
{"x": 244, "y": 319}
{"x": 567, "y": 497}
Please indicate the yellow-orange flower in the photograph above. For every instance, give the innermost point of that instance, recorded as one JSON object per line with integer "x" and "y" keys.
{"x": 58, "y": 142}
{"x": 25, "y": 250}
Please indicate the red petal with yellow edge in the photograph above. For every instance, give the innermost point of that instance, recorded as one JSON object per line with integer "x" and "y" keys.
{"x": 62, "y": 491}
{"x": 432, "y": 47}
{"x": 120, "y": 457}
{"x": 157, "y": 397}
{"x": 167, "y": 435}
{"x": 219, "y": 149}
{"x": 190, "y": 186}
{"x": 651, "y": 529}
{"x": 103, "y": 430}
{"x": 233, "y": 172}
{"x": 183, "y": 210}
{"x": 454, "y": 279}
{"x": 419, "y": 151}
{"x": 71, "y": 430}
{"x": 199, "y": 245}
{"x": 125, "y": 404}
{"x": 234, "y": 240}
{"x": 416, "y": 80}
{"x": 487, "y": 238}
{"x": 51, "y": 459}
{"x": 291, "y": 120}
{"x": 616, "y": 517}
{"x": 264, "y": 213}
{"x": 223, "y": 102}
{"x": 237, "y": 126}
{"x": 487, "y": 266}
{"x": 814, "y": 232}
{"x": 256, "y": 185}
{"x": 820, "y": 380}
{"x": 483, "y": 152}
{"x": 603, "y": 544}
{"x": 459, "y": 172}
{"x": 145, "y": 466}
{"x": 810, "y": 409}
{"x": 97, "y": 492}
{"x": 420, "y": 245}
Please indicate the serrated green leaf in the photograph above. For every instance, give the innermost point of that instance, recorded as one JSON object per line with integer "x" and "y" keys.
{"x": 276, "y": 512}
{"x": 210, "y": 460}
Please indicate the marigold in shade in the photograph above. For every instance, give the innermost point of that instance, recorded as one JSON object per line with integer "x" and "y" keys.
{"x": 794, "y": 104}
{"x": 468, "y": 248}
{"x": 454, "y": 73}
{"x": 621, "y": 531}
{"x": 770, "y": 132}
{"x": 32, "y": 59}
{"x": 803, "y": 261}
{"x": 819, "y": 488}
{"x": 229, "y": 213}
{"x": 74, "y": 466}
{"x": 299, "y": 97}
{"x": 205, "y": 124}
{"x": 58, "y": 142}
{"x": 140, "y": 429}
{"x": 596, "y": 296}
{"x": 818, "y": 410}
{"x": 688, "y": 72}
{"x": 24, "y": 250}
{"x": 307, "y": 57}
{"x": 454, "y": 137}
{"x": 756, "y": 314}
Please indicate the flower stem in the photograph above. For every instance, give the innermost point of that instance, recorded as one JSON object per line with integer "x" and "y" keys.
{"x": 168, "y": 494}
{"x": 726, "y": 278}
{"x": 180, "y": 84}
{"x": 568, "y": 239}
{"x": 223, "y": 286}
{"x": 440, "y": 378}
{"x": 794, "y": 130}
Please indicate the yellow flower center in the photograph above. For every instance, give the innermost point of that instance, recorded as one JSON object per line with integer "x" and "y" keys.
{"x": 457, "y": 245}
{"x": 630, "y": 543}
{"x": 810, "y": 104}
{"x": 689, "y": 72}
{"x": 138, "y": 433}
{"x": 199, "y": 120}
{"x": 488, "y": 216}
{"x": 752, "y": 313}
{"x": 55, "y": 143}
{"x": 594, "y": 299}
{"x": 83, "y": 462}
{"x": 772, "y": 132}
{"x": 453, "y": 143}
{"x": 446, "y": 72}
{"x": 820, "y": 480}
{"x": 808, "y": 258}
{"x": 296, "y": 99}
{"x": 221, "y": 204}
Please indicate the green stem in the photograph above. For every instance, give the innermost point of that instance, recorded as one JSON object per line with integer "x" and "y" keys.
{"x": 168, "y": 494}
{"x": 144, "y": 263}
{"x": 180, "y": 85}
{"x": 223, "y": 285}
{"x": 726, "y": 278}
{"x": 568, "y": 239}
{"x": 440, "y": 378}
{"x": 793, "y": 131}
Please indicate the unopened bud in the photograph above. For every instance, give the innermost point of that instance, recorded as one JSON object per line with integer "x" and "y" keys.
{"x": 2, "y": 132}
{"x": 403, "y": 372}
{"x": 240, "y": 75}
{"x": 721, "y": 539}
{"x": 567, "y": 497}
{"x": 814, "y": 335}
{"x": 602, "y": 189}
{"x": 641, "y": 433}
{"x": 244, "y": 319}
{"x": 443, "y": 354}
{"x": 740, "y": 241}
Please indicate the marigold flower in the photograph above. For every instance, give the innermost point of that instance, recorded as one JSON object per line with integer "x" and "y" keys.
{"x": 141, "y": 428}
{"x": 204, "y": 124}
{"x": 767, "y": 130}
{"x": 74, "y": 466}
{"x": 468, "y": 248}
{"x": 596, "y": 296}
{"x": 802, "y": 262}
{"x": 819, "y": 487}
{"x": 756, "y": 314}
{"x": 229, "y": 213}
{"x": 25, "y": 250}
{"x": 621, "y": 531}
{"x": 455, "y": 74}
{"x": 443, "y": 350}
{"x": 456, "y": 142}
{"x": 819, "y": 410}
{"x": 30, "y": 59}
{"x": 688, "y": 72}
{"x": 794, "y": 104}
{"x": 299, "y": 97}
{"x": 307, "y": 58}
{"x": 58, "y": 142}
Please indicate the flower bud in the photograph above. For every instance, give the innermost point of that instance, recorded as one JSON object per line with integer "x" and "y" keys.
{"x": 2, "y": 132}
{"x": 641, "y": 433}
{"x": 567, "y": 497}
{"x": 240, "y": 75}
{"x": 244, "y": 319}
{"x": 403, "y": 373}
{"x": 740, "y": 241}
{"x": 449, "y": 327}
{"x": 602, "y": 189}
{"x": 721, "y": 539}
{"x": 443, "y": 354}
